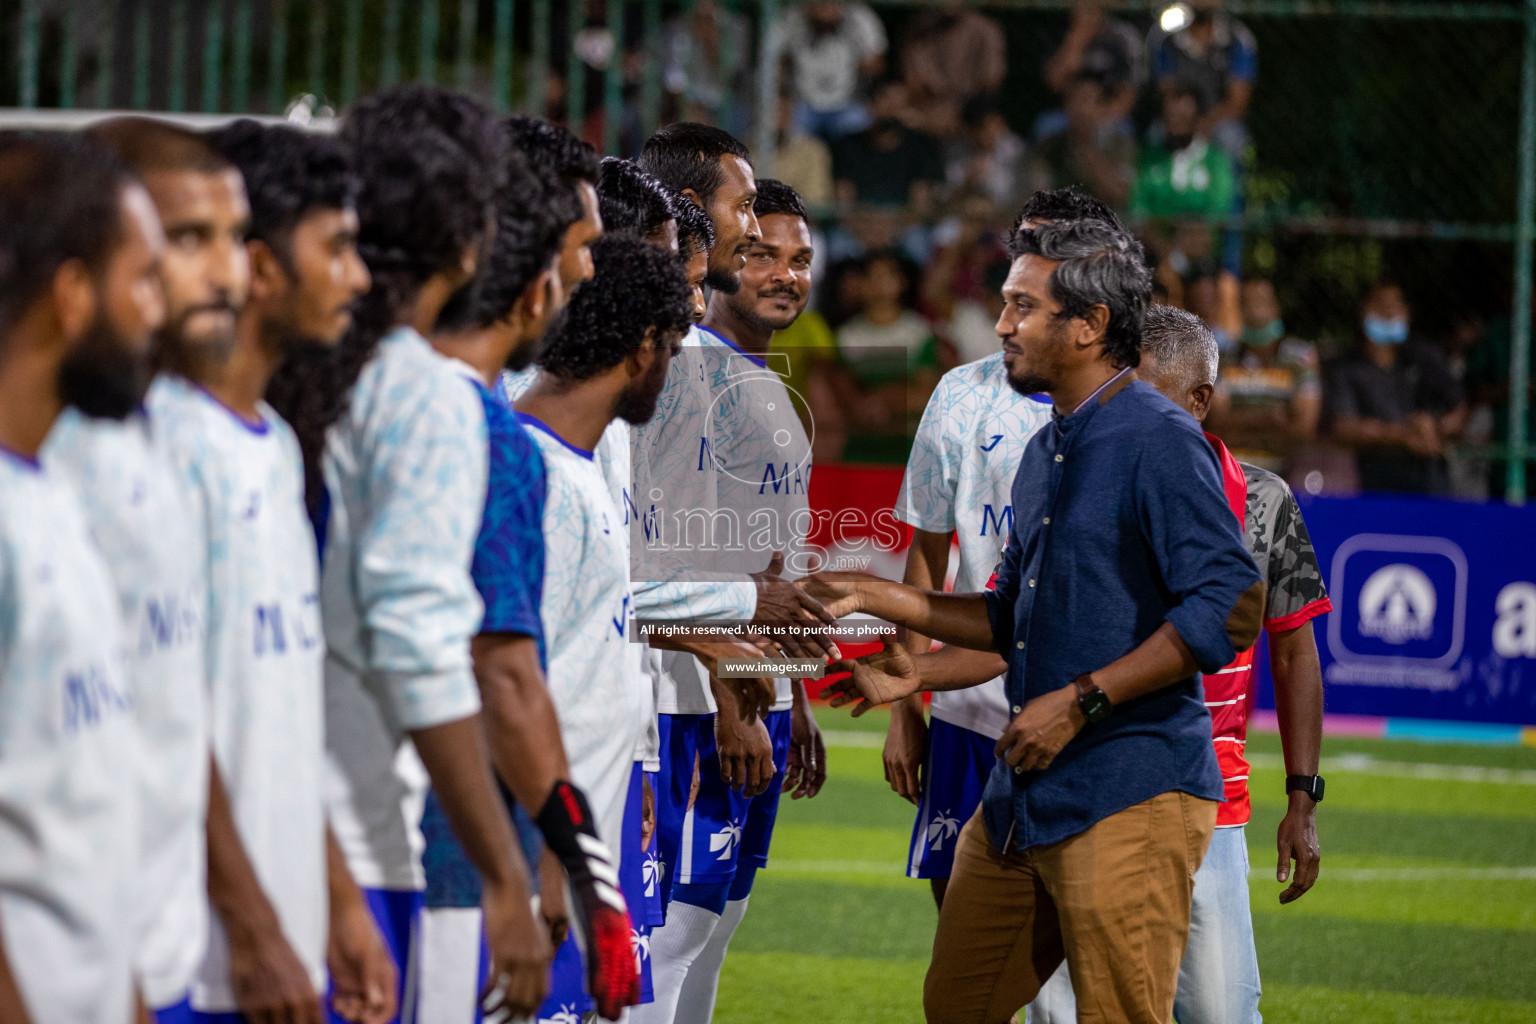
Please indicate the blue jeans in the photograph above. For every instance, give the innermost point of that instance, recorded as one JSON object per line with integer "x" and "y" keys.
{"x": 831, "y": 125}
{"x": 1219, "y": 976}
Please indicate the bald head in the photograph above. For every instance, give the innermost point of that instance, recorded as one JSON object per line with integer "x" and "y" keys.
{"x": 1179, "y": 358}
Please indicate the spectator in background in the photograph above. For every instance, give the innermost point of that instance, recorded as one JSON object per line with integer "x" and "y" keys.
{"x": 707, "y": 60}
{"x": 1395, "y": 402}
{"x": 1103, "y": 48}
{"x": 890, "y": 163}
{"x": 987, "y": 155}
{"x": 890, "y": 356}
{"x": 801, "y": 160}
{"x": 951, "y": 56}
{"x": 1184, "y": 186}
{"x": 1094, "y": 152}
{"x": 1215, "y": 54}
{"x": 1269, "y": 395}
{"x": 832, "y": 49}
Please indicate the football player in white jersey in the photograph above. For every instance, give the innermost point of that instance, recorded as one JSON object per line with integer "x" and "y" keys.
{"x": 761, "y": 459}
{"x": 79, "y": 253}
{"x": 404, "y": 462}
{"x": 142, "y": 521}
{"x": 606, "y": 359}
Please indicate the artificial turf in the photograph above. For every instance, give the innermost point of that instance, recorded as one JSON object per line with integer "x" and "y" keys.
{"x": 1425, "y": 910}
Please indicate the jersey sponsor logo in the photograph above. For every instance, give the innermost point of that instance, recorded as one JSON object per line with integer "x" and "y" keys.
{"x": 90, "y": 697}
{"x": 988, "y": 447}
{"x": 275, "y": 632}
{"x": 725, "y": 841}
{"x": 166, "y": 621}
{"x": 1000, "y": 521}
{"x": 706, "y": 454}
{"x": 943, "y": 826}
{"x": 631, "y": 513}
{"x": 790, "y": 478}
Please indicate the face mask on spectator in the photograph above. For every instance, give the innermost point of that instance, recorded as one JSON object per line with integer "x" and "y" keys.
{"x": 1258, "y": 337}
{"x": 1382, "y": 331}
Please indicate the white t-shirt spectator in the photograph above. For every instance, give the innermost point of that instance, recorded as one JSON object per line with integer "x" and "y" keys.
{"x": 825, "y": 66}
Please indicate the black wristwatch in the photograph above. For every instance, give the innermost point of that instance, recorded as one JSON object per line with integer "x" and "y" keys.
{"x": 1091, "y": 701}
{"x": 1312, "y": 785}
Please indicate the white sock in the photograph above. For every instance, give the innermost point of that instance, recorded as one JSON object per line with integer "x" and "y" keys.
{"x": 696, "y": 1005}
{"x": 674, "y": 948}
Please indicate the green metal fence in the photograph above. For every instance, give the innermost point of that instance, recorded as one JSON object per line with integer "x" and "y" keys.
{"x": 1387, "y": 137}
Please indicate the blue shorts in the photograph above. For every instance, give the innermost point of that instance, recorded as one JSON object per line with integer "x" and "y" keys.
{"x": 955, "y": 771}
{"x": 176, "y": 1013}
{"x": 568, "y": 999}
{"x": 632, "y": 879}
{"x": 650, "y": 870}
{"x": 398, "y": 917}
{"x": 764, "y": 808}
{"x": 679, "y": 745}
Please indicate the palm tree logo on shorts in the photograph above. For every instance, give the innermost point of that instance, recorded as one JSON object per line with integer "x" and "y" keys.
{"x": 567, "y": 1015}
{"x": 940, "y": 829}
{"x": 726, "y": 840}
{"x": 650, "y": 873}
{"x": 641, "y": 944}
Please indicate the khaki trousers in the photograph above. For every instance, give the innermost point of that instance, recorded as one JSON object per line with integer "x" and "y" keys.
{"x": 1113, "y": 901}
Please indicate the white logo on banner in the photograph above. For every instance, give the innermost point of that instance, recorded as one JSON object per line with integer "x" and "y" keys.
{"x": 1397, "y": 604}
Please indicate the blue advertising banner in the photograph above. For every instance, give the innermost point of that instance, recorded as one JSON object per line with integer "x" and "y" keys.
{"x": 1434, "y": 609}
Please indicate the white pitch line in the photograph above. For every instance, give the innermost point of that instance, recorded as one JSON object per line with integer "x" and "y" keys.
{"x": 1360, "y": 764}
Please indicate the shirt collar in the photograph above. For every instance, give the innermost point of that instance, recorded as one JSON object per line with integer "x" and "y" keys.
{"x": 1086, "y": 407}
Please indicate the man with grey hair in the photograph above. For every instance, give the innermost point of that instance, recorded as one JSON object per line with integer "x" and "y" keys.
{"x": 1219, "y": 976}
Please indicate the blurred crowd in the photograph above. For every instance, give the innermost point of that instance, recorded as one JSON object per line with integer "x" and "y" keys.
{"x": 900, "y": 143}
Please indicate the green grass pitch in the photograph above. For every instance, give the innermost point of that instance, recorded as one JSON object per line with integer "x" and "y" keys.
{"x": 1425, "y": 910}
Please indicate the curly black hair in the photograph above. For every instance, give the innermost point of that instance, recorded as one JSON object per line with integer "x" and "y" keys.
{"x": 776, "y": 198}
{"x": 687, "y": 155}
{"x": 60, "y": 200}
{"x": 631, "y": 200}
{"x": 1060, "y": 204}
{"x": 288, "y": 174}
{"x": 554, "y": 148}
{"x": 1097, "y": 265}
{"x": 695, "y": 231}
{"x": 528, "y": 235}
{"x": 637, "y": 286}
{"x": 433, "y": 163}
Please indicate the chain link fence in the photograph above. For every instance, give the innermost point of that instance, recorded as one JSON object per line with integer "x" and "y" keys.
{"x": 1381, "y": 140}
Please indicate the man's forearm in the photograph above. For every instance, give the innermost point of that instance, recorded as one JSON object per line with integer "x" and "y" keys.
{"x": 1162, "y": 659}
{"x": 1298, "y": 697}
{"x": 11, "y": 1006}
{"x": 455, "y": 757}
{"x": 234, "y": 891}
{"x": 521, "y": 725}
{"x": 959, "y": 619}
{"x": 955, "y": 668}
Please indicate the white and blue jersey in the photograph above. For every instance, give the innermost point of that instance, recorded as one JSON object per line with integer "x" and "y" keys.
{"x": 672, "y": 471}
{"x": 594, "y": 671}
{"x": 139, "y": 515}
{"x": 263, "y": 652}
{"x": 69, "y": 747}
{"x": 960, "y": 478}
{"x": 405, "y": 469}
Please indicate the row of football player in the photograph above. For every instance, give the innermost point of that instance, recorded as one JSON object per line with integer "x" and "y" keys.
{"x": 221, "y": 765}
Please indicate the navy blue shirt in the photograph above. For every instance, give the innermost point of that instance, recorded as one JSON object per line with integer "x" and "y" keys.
{"x": 1119, "y": 525}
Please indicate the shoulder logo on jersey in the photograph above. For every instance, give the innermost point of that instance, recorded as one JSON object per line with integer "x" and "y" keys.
{"x": 1001, "y": 521}
{"x": 726, "y": 840}
{"x": 988, "y": 447}
{"x": 942, "y": 827}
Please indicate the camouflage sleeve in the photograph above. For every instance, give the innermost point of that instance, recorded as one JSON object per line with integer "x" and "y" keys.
{"x": 1296, "y": 590}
